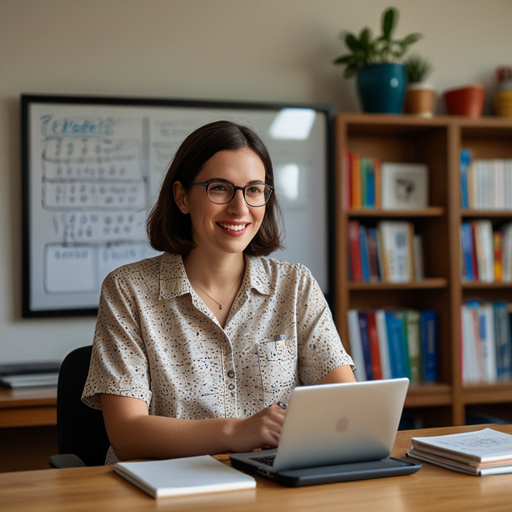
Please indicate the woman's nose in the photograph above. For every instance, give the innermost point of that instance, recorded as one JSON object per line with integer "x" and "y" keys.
{"x": 238, "y": 203}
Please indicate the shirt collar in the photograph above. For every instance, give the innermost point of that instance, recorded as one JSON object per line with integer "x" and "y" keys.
{"x": 174, "y": 280}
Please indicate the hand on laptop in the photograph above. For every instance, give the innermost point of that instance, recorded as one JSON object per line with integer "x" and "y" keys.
{"x": 259, "y": 431}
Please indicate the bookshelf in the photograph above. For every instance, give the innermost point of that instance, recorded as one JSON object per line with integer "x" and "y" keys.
{"x": 435, "y": 142}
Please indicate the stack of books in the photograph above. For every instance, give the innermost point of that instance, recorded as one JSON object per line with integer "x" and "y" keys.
{"x": 486, "y": 253}
{"x": 486, "y": 342}
{"x": 394, "y": 343}
{"x": 486, "y": 184}
{"x": 484, "y": 452}
{"x": 34, "y": 374}
{"x": 369, "y": 183}
{"x": 388, "y": 252}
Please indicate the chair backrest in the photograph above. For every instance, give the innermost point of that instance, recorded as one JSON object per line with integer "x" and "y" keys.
{"x": 80, "y": 429}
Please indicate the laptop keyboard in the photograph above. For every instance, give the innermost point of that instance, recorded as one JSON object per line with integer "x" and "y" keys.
{"x": 268, "y": 460}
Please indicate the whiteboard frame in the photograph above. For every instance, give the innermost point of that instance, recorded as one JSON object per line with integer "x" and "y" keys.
{"x": 32, "y": 172}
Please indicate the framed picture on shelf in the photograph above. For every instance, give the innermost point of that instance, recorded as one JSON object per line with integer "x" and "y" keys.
{"x": 404, "y": 186}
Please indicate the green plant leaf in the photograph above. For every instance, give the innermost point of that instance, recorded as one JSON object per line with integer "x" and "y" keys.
{"x": 389, "y": 19}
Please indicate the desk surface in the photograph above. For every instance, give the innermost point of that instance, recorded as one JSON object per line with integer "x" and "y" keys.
{"x": 27, "y": 407}
{"x": 431, "y": 488}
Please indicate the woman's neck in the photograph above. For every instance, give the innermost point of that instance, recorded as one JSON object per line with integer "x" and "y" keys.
{"x": 213, "y": 274}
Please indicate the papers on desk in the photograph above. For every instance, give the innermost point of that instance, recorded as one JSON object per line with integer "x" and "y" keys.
{"x": 187, "y": 475}
{"x": 35, "y": 374}
{"x": 483, "y": 452}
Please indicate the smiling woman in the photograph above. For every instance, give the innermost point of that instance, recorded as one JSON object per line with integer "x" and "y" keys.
{"x": 194, "y": 349}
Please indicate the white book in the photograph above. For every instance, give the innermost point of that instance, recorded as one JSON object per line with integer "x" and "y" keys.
{"x": 397, "y": 239}
{"x": 186, "y": 475}
{"x": 470, "y": 371}
{"x": 484, "y": 250}
{"x": 356, "y": 345}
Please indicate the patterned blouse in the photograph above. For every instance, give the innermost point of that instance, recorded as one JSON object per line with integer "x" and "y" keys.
{"x": 156, "y": 340}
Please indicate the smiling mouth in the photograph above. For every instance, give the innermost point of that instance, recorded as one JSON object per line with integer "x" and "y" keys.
{"x": 233, "y": 227}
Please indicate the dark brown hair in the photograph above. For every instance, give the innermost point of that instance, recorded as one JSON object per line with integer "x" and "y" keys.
{"x": 169, "y": 229}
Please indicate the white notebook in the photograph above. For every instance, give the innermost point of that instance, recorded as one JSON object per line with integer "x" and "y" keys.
{"x": 187, "y": 475}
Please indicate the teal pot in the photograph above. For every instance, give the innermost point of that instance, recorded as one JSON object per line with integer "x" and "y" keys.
{"x": 382, "y": 87}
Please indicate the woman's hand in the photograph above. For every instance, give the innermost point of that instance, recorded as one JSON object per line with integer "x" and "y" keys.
{"x": 262, "y": 430}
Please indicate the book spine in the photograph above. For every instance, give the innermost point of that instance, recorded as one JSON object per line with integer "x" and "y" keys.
{"x": 356, "y": 346}
{"x": 365, "y": 259}
{"x": 465, "y": 161}
{"x": 380, "y": 318}
{"x": 412, "y": 323}
{"x": 429, "y": 346}
{"x": 373, "y": 336}
{"x": 365, "y": 342}
{"x": 503, "y": 340}
{"x": 355, "y": 251}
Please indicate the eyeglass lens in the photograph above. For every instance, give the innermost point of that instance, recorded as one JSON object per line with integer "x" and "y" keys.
{"x": 221, "y": 192}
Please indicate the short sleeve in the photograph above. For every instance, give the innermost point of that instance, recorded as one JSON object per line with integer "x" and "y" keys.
{"x": 119, "y": 362}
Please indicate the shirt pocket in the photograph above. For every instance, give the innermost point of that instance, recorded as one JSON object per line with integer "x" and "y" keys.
{"x": 278, "y": 369}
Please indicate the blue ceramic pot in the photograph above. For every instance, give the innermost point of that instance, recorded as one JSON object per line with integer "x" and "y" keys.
{"x": 382, "y": 87}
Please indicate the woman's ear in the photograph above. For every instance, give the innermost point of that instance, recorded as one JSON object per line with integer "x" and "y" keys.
{"x": 180, "y": 197}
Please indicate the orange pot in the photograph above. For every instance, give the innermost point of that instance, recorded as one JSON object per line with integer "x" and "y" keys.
{"x": 465, "y": 101}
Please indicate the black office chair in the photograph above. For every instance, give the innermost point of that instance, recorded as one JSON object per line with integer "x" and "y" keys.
{"x": 81, "y": 433}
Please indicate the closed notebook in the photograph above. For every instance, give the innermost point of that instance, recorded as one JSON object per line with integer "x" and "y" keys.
{"x": 187, "y": 475}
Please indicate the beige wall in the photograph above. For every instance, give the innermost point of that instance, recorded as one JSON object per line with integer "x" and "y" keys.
{"x": 269, "y": 50}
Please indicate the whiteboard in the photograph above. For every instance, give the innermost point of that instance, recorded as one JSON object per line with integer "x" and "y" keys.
{"x": 92, "y": 168}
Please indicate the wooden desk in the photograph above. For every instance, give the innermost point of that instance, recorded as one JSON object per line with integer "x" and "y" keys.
{"x": 28, "y": 407}
{"x": 431, "y": 488}
{"x": 28, "y": 432}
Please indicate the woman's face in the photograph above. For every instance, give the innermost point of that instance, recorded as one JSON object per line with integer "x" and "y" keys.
{"x": 225, "y": 228}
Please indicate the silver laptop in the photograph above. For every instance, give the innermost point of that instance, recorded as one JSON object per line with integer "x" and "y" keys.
{"x": 335, "y": 432}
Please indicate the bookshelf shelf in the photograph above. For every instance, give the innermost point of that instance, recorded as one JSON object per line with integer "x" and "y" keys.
{"x": 430, "y": 283}
{"x": 431, "y": 211}
{"x": 436, "y": 142}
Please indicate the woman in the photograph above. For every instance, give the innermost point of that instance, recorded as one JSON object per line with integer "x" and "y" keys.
{"x": 194, "y": 349}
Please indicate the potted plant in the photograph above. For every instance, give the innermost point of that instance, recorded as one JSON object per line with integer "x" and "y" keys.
{"x": 376, "y": 62}
{"x": 420, "y": 96}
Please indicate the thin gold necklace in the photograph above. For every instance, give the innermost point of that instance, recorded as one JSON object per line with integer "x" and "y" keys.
{"x": 215, "y": 300}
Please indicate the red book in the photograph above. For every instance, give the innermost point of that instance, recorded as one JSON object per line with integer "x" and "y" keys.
{"x": 373, "y": 335}
{"x": 356, "y": 266}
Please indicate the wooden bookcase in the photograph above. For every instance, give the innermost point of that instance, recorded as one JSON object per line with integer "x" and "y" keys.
{"x": 436, "y": 142}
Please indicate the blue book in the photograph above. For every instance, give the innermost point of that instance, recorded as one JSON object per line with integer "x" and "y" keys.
{"x": 370, "y": 183}
{"x": 429, "y": 345}
{"x": 396, "y": 343}
{"x": 503, "y": 340}
{"x": 465, "y": 162}
{"x": 365, "y": 258}
{"x": 365, "y": 342}
{"x": 466, "y": 239}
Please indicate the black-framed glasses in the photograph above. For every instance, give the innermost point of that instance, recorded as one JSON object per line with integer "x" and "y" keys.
{"x": 223, "y": 191}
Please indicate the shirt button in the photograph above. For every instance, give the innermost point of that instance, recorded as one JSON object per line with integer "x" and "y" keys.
{"x": 231, "y": 374}
{"x": 231, "y": 386}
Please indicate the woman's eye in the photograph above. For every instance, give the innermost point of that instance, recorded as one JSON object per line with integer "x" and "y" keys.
{"x": 218, "y": 187}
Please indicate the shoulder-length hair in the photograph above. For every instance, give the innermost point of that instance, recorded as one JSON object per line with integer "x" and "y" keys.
{"x": 169, "y": 229}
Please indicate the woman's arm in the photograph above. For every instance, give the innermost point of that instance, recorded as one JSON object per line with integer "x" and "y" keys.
{"x": 340, "y": 374}
{"x": 134, "y": 434}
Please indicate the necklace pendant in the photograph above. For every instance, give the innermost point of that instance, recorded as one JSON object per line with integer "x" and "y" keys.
{"x": 220, "y": 306}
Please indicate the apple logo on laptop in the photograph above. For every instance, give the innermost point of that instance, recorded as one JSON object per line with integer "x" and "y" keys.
{"x": 342, "y": 424}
